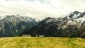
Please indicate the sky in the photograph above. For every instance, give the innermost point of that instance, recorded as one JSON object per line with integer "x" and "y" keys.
{"x": 40, "y": 8}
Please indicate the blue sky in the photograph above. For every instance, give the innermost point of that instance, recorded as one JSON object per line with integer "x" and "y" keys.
{"x": 40, "y": 8}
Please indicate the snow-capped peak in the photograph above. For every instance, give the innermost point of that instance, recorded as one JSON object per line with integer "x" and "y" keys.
{"x": 75, "y": 14}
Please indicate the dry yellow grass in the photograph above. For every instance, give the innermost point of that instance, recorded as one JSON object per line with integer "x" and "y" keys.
{"x": 30, "y": 42}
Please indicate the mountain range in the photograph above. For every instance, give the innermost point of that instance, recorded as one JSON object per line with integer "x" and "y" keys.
{"x": 72, "y": 25}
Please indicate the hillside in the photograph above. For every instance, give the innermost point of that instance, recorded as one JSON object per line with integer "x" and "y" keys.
{"x": 30, "y": 42}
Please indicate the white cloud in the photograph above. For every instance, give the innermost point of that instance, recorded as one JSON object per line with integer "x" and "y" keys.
{"x": 40, "y": 8}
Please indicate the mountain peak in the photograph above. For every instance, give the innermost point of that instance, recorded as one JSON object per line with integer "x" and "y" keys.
{"x": 75, "y": 14}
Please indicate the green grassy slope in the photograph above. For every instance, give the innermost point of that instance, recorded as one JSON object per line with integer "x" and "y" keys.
{"x": 30, "y": 42}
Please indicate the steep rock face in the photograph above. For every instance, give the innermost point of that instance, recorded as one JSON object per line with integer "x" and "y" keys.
{"x": 13, "y": 25}
{"x": 72, "y": 25}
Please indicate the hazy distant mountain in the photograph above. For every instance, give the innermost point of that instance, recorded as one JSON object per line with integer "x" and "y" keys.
{"x": 13, "y": 25}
